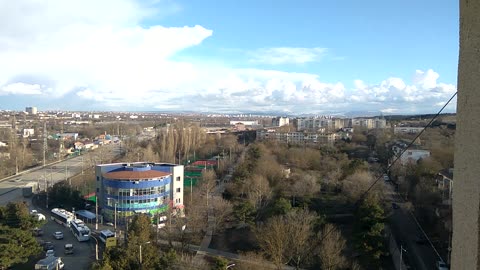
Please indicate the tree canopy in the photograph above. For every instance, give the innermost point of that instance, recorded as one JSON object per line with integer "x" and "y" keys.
{"x": 16, "y": 241}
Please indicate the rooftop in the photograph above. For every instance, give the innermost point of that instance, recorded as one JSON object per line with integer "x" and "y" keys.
{"x": 127, "y": 175}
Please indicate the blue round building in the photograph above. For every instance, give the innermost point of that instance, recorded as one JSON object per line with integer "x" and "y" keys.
{"x": 138, "y": 188}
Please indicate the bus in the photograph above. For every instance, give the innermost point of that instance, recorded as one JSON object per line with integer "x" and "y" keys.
{"x": 108, "y": 238}
{"x": 80, "y": 230}
{"x": 62, "y": 216}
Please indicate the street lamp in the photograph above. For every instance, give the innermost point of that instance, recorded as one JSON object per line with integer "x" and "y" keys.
{"x": 96, "y": 247}
{"x": 140, "y": 253}
{"x": 114, "y": 215}
{"x": 401, "y": 253}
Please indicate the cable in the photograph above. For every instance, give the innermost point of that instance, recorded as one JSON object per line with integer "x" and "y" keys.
{"x": 406, "y": 148}
{"x": 362, "y": 197}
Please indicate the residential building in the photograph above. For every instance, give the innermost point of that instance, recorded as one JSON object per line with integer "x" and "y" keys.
{"x": 246, "y": 123}
{"x": 27, "y": 132}
{"x": 139, "y": 187}
{"x": 239, "y": 127}
{"x": 67, "y": 136}
{"x": 407, "y": 130}
{"x": 314, "y": 124}
{"x": 410, "y": 155}
{"x": 31, "y": 110}
{"x": 445, "y": 185}
{"x": 280, "y": 121}
{"x": 380, "y": 123}
{"x": 296, "y": 137}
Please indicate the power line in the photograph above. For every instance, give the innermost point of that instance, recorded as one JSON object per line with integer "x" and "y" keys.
{"x": 363, "y": 196}
{"x": 406, "y": 148}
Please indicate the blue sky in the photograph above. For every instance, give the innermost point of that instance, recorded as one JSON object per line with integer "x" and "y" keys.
{"x": 229, "y": 56}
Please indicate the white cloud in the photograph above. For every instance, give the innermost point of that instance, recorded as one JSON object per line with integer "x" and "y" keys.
{"x": 427, "y": 79}
{"x": 389, "y": 110}
{"x": 21, "y": 89}
{"x": 423, "y": 93}
{"x": 101, "y": 53}
{"x": 286, "y": 55}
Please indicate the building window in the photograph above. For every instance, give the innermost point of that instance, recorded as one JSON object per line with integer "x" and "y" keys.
{"x": 98, "y": 189}
{"x": 178, "y": 189}
{"x": 124, "y": 192}
{"x": 98, "y": 178}
{"x": 178, "y": 178}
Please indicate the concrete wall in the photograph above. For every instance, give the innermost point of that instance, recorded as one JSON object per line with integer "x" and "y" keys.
{"x": 466, "y": 194}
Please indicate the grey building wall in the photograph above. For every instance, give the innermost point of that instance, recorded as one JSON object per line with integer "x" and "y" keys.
{"x": 466, "y": 194}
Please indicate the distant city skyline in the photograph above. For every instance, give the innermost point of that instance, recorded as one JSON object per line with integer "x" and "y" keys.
{"x": 287, "y": 57}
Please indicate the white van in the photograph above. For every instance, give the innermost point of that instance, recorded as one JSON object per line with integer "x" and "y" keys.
{"x": 49, "y": 263}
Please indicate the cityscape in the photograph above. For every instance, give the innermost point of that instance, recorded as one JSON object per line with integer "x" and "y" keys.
{"x": 255, "y": 135}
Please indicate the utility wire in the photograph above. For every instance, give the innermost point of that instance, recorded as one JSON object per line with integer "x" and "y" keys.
{"x": 363, "y": 196}
{"x": 406, "y": 148}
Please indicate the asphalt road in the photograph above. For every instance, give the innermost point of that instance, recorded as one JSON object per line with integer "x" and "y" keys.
{"x": 404, "y": 227}
{"x": 83, "y": 251}
{"x": 10, "y": 188}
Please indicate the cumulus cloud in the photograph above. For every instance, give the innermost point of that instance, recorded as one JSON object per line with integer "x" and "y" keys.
{"x": 286, "y": 55}
{"x": 423, "y": 92}
{"x": 102, "y": 54}
{"x": 21, "y": 89}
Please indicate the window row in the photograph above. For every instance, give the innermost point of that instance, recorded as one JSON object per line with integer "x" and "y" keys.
{"x": 136, "y": 191}
{"x": 123, "y": 203}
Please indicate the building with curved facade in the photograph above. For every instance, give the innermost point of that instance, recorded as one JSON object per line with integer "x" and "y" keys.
{"x": 138, "y": 187}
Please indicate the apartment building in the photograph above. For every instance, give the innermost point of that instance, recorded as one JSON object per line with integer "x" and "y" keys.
{"x": 296, "y": 137}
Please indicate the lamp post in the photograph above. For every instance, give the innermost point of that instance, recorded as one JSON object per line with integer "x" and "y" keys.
{"x": 140, "y": 253}
{"x": 401, "y": 253}
{"x": 96, "y": 247}
{"x": 114, "y": 214}
{"x": 115, "y": 219}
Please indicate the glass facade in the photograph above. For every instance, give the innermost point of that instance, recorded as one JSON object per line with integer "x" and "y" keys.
{"x": 135, "y": 195}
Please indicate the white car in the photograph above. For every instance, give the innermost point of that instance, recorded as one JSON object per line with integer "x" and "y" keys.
{"x": 58, "y": 235}
{"x": 49, "y": 253}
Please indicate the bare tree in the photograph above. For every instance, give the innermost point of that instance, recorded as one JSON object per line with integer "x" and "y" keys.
{"x": 208, "y": 183}
{"x": 300, "y": 232}
{"x": 222, "y": 209}
{"x": 305, "y": 185}
{"x": 331, "y": 248}
{"x": 259, "y": 191}
{"x": 273, "y": 240}
{"x": 356, "y": 184}
{"x": 287, "y": 238}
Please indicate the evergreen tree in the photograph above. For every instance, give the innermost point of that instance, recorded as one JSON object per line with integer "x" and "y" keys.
{"x": 369, "y": 228}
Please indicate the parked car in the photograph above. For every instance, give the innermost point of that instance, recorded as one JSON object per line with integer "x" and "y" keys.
{"x": 441, "y": 265}
{"x": 49, "y": 253}
{"x": 37, "y": 232}
{"x": 68, "y": 249}
{"x": 58, "y": 235}
{"x": 47, "y": 246}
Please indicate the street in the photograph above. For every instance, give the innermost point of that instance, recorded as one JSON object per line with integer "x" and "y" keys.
{"x": 405, "y": 229}
{"x": 83, "y": 251}
{"x": 11, "y": 190}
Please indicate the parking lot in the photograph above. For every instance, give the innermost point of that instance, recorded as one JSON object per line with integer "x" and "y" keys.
{"x": 84, "y": 252}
